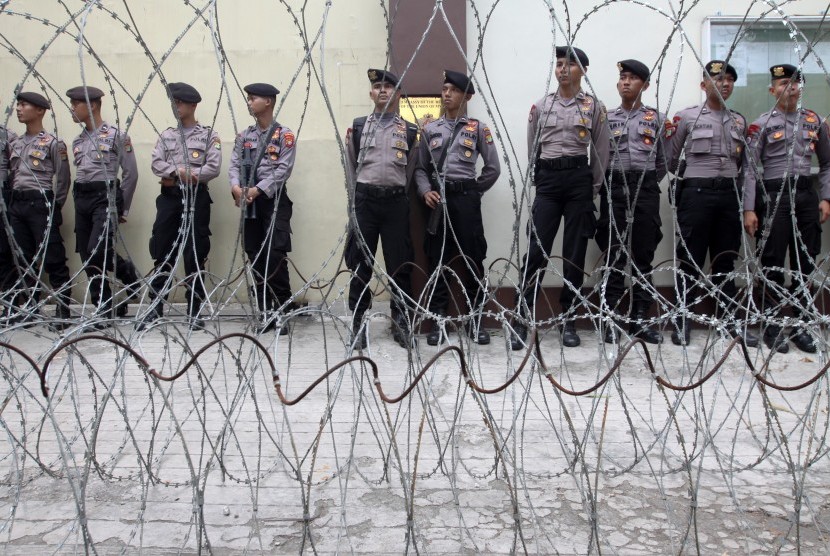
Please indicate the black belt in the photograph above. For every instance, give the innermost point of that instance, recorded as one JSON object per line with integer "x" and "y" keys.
{"x": 176, "y": 190}
{"x": 802, "y": 183}
{"x": 32, "y": 195}
{"x": 617, "y": 177}
{"x": 717, "y": 184}
{"x": 381, "y": 191}
{"x": 563, "y": 163}
{"x": 460, "y": 186}
{"x": 94, "y": 186}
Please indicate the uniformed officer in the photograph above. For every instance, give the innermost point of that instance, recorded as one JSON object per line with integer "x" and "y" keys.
{"x": 40, "y": 183}
{"x": 446, "y": 179}
{"x": 260, "y": 184}
{"x": 784, "y": 141}
{"x": 638, "y": 163}
{"x": 712, "y": 138}
{"x": 380, "y": 161}
{"x": 8, "y": 268}
{"x": 186, "y": 158}
{"x": 98, "y": 152}
{"x": 568, "y": 144}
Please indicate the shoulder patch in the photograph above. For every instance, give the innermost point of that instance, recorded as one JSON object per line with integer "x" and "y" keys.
{"x": 288, "y": 139}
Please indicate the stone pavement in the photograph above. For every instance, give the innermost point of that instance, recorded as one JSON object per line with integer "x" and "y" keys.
{"x": 117, "y": 461}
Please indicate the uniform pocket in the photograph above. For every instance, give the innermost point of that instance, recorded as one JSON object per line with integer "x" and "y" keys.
{"x": 701, "y": 140}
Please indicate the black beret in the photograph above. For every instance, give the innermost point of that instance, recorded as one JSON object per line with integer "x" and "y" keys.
{"x": 184, "y": 93}
{"x": 81, "y": 93}
{"x": 572, "y": 52}
{"x": 34, "y": 99}
{"x": 377, "y": 76}
{"x": 261, "y": 90}
{"x": 636, "y": 67}
{"x": 717, "y": 67}
{"x": 788, "y": 71}
{"x": 459, "y": 80}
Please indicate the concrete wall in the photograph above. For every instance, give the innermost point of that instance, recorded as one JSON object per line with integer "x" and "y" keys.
{"x": 264, "y": 42}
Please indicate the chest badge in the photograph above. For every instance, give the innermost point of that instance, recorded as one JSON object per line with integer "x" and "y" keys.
{"x": 582, "y": 133}
{"x": 648, "y": 116}
{"x": 468, "y": 142}
{"x": 648, "y": 141}
{"x": 399, "y": 154}
{"x": 36, "y": 162}
{"x": 468, "y": 153}
{"x": 195, "y": 154}
{"x": 778, "y": 135}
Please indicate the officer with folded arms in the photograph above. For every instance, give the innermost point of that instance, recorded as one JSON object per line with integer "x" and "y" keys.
{"x": 98, "y": 152}
{"x": 783, "y": 141}
{"x": 446, "y": 178}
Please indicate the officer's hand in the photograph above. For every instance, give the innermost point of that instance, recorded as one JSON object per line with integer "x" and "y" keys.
{"x": 432, "y": 198}
{"x": 824, "y": 209}
{"x": 236, "y": 191}
{"x": 167, "y": 182}
{"x": 122, "y": 220}
{"x": 750, "y": 222}
{"x": 184, "y": 175}
{"x": 253, "y": 193}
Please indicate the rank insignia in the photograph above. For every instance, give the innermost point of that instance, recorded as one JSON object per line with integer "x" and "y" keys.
{"x": 247, "y": 145}
{"x": 468, "y": 142}
{"x": 36, "y": 162}
{"x": 738, "y": 149}
{"x": 649, "y": 116}
{"x": 811, "y": 119}
{"x": 778, "y": 71}
{"x": 399, "y": 154}
{"x": 468, "y": 153}
{"x": 470, "y": 128}
{"x": 195, "y": 154}
{"x": 400, "y": 145}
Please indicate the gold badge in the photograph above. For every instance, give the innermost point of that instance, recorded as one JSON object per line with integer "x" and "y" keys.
{"x": 647, "y": 141}
{"x": 716, "y": 67}
{"x": 649, "y": 116}
{"x": 468, "y": 153}
{"x": 617, "y": 131}
{"x": 36, "y": 162}
{"x": 399, "y": 154}
{"x": 400, "y": 144}
{"x": 778, "y": 135}
{"x": 195, "y": 154}
{"x": 36, "y": 153}
{"x": 778, "y": 71}
{"x": 273, "y": 157}
{"x": 648, "y": 131}
{"x": 811, "y": 119}
{"x": 619, "y": 66}
{"x": 582, "y": 133}
{"x": 738, "y": 149}
{"x": 468, "y": 142}
{"x": 99, "y": 156}
{"x": 373, "y": 75}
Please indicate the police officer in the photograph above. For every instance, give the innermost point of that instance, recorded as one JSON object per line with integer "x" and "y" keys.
{"x": 8, "y": 268}
{"x": 784, "y": 141}
{"x": 568, "y": 144}
{"x": 638, "y": 163}
{"x": 98, "y": 152}
{"x": 40, "y": 183}
{"x": 260, "y": 185}
{"x": 711, "y": 137}
{"x": 186, "y": 158}
{"x": 380, "y": 161}
{"x": 446, "y": 179}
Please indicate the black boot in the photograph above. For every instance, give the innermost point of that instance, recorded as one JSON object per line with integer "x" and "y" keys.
{"x": 435, "y": 335}
{"x": 152, "y": 315}
{"x": 358, "y": 339}
{"x": 638, "y": 328}
{"x": 401, "y": 333}
{"x": 194, "y": 313}
{"x": 774, "y": 339}
{"x": 681, "y": 334}
{"x": 62, "y": 316}
{"x": 570, "y": 338}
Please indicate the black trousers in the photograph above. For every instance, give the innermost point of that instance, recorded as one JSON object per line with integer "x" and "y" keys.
{"x": 560, "y": 194}
{"x": 708, "y": 220}
{"x": 182, "y": 225}
{"x": 784, "y": 231}
{"x": 640, "y": 239}
{"x": 462, "y": 234}
{"x": 386, "y": 219}
{"x": 267, "y": 242}
{"x": 95, "y": 237}
{"x": 40, "y": 241}
{"x": 9, "y": 273}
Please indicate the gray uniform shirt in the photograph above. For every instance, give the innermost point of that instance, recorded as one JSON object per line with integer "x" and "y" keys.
{"x": 473, "y": 139}
{"x": 384, "y": 154}
{"x": 637, "y": 140}
{"x": 713, "y": 141}
{"x": 773, "y": 136}
{"x": 36, "y": 161}
{"x": 100, "y": 152}
{"x": 276, "y": 165}
{"x": 570, "y": 127}
{"x": 6, "y": 138}
{"x": 200, "y": 152}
